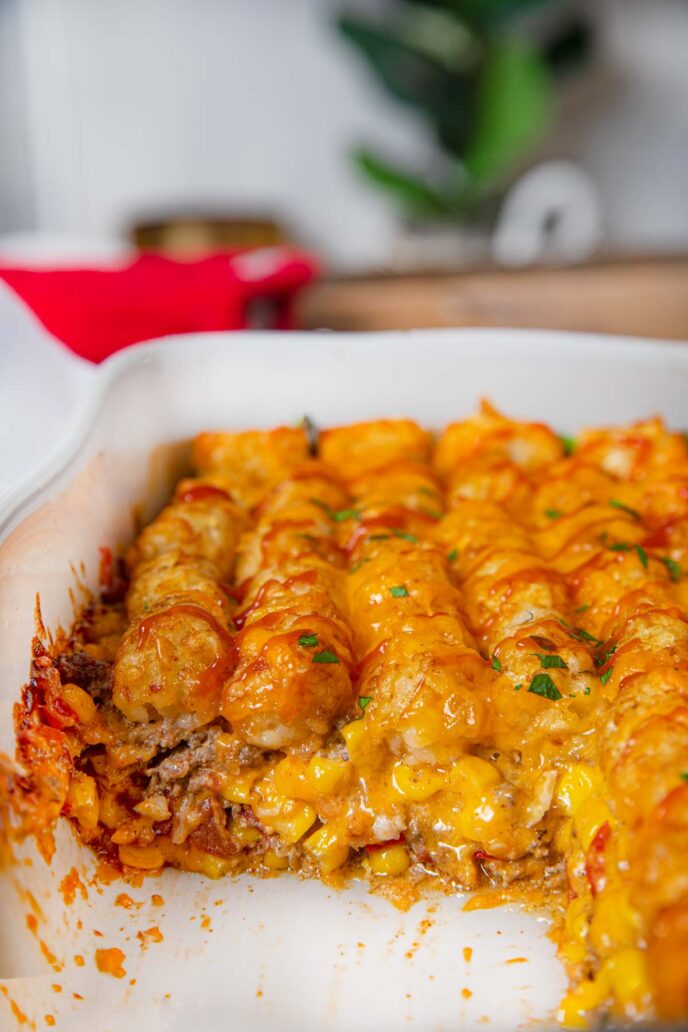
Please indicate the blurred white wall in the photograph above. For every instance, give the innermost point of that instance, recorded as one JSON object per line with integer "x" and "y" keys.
{"x": 134, "y": 105}
{"x": 116, "y": 108}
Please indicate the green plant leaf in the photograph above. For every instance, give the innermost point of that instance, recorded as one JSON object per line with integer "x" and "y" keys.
{"x": 412, "y": 192}
{"x": 513, "y": 110}
{"x": 416, "y": 78}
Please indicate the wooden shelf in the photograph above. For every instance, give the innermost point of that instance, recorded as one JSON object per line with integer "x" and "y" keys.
{"x": 644, "y": 297}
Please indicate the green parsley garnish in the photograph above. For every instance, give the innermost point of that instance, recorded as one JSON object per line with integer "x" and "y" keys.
{"x": 625, "y": 508}
{"x": 542, "y": 684}
{"x": 582, "y": 609}
{"x": 363, "y": 701}
{"x": 427, "y": 491}
{"x": 579, "y": 634}
{"x": 673, "y": 567}
{"x": 399, "y": 591}
{"x": 517, "y": 687}
{"x": 551, "y": 662}
{"x": 586, "y": 690}
{"x": 432, "y": 513}
{"x": 453, "y": 555}
{"x": 684, "y": 775}
{"x": 553, "y": 514}
{"x": 619, "y": 546}
{"x": 346, "y": 514}
{"x": 321, "y": 505}
{"x": 308, "y": 641}
{"x": 378, "y": 537}
{"x": 325, "y": 657}
{"x": 606, "y": 675}
{"x": 496, "y": 665}
{"x": 642, "y": 555}
{"x": 405, "y": 536}
{"x": 607, "y": 655}
{"x": 357, "y": 566}
{"x": 568, "y": 444}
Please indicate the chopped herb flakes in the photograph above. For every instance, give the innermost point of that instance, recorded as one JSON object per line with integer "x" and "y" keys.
{"x": 432, "y": 513}
{"x": 551, "y": 662}
{"x": 642, "y": 555}
{"x": 553, "y": 514}
{"x": 321, "y": 505}
{"x": 346, "y": 514}
{"x": 427, "y": 491}
{"x": 517, "y": 687}
{"x": 568, "y": 444}
{"x": 579, "y": 633}
{"x": 399, "y": 591}
{"x": 357, "y": 566}
{"x": 606, "y": 675}
{"x": 605, "y": 656}
{"x": 673, "y": 567}
{"x": 582, "y": 609}
{"x": 325, "y": 657}
{"x": 406, "y": 536}
{"x": 496, "y": 665}
{"x": 684, "y": 775}
{"x": 619, "y": 546}
{"x": 363, "y": 701}
{"x": 308, "y": 641}
{"x": 586, "y": 690}
{"x": 379, "y": 537}
{"x": 616, "y": 504}
{"x": 542, "y": 684}
{"x": 453, "y": 555}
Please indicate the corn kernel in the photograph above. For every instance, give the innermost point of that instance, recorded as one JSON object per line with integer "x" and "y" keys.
{"x": 244, "y": 834}
{"x": 577, "y": 1005}
{"x": 236, "y": 788}
{"x": 326, "y": 776}
{"x": 390, "y": 862}
{"x": 573, "y": 953}
{"x": 112, "y": 813}
{"x": 325, "y": 846}
{"x": 472, "y": 776}
{"x": 82, "y": 799}
{"x": 290, "y": 779}
{"x": 475, "y": 819}
{"x": 274, "y": 862}
{"x": 416, "y": 783}
{"x": 212, "y": 866}
{"x": 79, "y": 702}
{"x": 189, "y": 858}
{"x": 147, "y": 858}
{"x": 577, "y": 917}
{"x": 614, "y": 922}
{"x": 575, "y": 786}
{"x": 627, "y": 972}
{"x": 293, "y": 820}
{"x": 354, "y": 736}
{"x": 156, "y": 808}
{"x": 588, "y": 820}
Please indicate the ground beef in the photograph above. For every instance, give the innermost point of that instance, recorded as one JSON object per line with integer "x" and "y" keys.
{"x": 194, "y": 758}
{"x": 93, "y": 675}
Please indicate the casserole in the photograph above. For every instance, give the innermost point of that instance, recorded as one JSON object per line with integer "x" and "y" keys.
{"x": 136, "y": 406}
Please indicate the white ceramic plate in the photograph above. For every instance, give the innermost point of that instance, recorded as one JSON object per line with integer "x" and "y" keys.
{"x": 278, "y": 954}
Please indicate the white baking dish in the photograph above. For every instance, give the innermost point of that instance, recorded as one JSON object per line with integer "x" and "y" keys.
{"x": 278, "y": 954}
